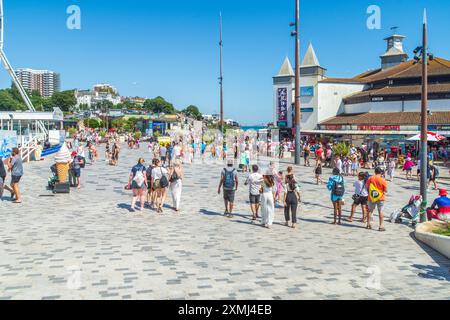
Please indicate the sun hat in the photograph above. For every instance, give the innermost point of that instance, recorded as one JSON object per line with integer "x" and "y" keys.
{"x": 443, "y": 192}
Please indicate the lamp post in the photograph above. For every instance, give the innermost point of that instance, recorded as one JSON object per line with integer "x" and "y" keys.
{"x": 421, "y": 54}
{"x": 221, "y": 124}
{"x": 297, "y": 82}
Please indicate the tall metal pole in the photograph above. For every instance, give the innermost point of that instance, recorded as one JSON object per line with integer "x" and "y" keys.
{"x": 297, "y": 84}
{"x": 424, "y": 114}
{"x": 221, "y": 124}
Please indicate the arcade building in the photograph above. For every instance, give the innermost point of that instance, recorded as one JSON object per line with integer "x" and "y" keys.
{"x": 381, "y": 104}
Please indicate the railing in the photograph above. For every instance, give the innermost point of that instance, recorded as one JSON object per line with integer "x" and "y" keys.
{"x": 27, "y": 149}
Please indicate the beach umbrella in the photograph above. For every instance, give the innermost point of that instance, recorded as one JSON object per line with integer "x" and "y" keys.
{"x": 432, "y": 137}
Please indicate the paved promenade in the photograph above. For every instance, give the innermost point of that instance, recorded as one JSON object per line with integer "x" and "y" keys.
{"x": 87, "y": 245}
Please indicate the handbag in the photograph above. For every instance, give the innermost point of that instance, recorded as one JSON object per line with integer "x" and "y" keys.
{"x": 356, "y": 197}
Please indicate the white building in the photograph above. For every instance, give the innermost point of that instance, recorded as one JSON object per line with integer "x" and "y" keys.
{"x": 99, "y": 93}
{"x": 318, "y": 100}
{"x": 45, "y": 81}
{"x": 384, "y": 100}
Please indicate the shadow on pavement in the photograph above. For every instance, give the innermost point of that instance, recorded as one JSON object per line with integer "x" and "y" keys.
{"x": 440, "y": 272}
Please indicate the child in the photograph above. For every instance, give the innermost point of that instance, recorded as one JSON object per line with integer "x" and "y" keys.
{"x": 355, "y": 165}
{"x": 318, "y": 172}
{"x": 391, "y": 169}
{"x": 279, "y": 185}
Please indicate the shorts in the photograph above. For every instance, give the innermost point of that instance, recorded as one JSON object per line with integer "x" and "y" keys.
{"x": 228, "y": 195}
{"x": 163, "y": 158}
{"x": 76, "y": 172}
{"x": 374, "y": 205}
{"x": 15, "y": 179}
{"x": 255, "y": 199}
{"x": 360, "y": 201}
{"x": 134, "y": 185}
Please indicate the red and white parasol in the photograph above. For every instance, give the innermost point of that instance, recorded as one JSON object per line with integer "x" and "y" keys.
{"x": 432, "y": 137}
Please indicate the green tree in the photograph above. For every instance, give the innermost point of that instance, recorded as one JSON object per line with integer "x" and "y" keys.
{"x": 65, "y": 100}
{"x": 341, "y": 149}
{"x": 159, "y": 105}
{"x": 93, "y": 123}
{"x": 9, "y": 103}
{"x": 192, "y": 112}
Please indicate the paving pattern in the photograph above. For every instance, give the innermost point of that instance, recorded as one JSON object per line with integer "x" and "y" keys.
{"x": 87, "y": 245}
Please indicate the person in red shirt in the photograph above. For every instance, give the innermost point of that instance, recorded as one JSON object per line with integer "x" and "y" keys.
{"x": 319, "y": 154}
{"x": 377, "y": 187}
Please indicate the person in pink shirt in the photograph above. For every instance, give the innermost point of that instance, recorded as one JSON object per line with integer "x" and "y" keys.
{"x": 409, "y": 164}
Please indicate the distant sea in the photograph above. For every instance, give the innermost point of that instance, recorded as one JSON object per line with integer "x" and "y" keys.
{"x": 256, "y": 128}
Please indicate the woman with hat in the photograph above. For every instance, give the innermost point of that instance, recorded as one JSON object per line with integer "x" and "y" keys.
{"x": 267, "y": 200}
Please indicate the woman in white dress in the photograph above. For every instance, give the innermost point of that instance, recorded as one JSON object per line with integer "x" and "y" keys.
{"x": 176, "y": 184}
{"x": 267, "y": 200}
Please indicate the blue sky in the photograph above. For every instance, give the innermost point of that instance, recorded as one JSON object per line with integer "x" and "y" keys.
{"x": 169, "y": 48}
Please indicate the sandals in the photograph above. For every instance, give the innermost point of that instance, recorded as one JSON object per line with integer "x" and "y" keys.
{"x": 369, "y": 227}
{"x": 381, "y": 229}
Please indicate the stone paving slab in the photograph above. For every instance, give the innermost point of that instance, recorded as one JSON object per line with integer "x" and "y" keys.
{"x": 86, "y": 245}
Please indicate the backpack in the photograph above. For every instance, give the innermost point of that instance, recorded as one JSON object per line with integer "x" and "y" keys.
{"x": 374, "y": 194}
{"x": 436, "y": 171}
{"x": 339, "y": 188}
{"x": 139, "y": 178}
{"x": 228, "y": 179}
{"x": 82, "y": 162}
{"x": 163, "y": 182}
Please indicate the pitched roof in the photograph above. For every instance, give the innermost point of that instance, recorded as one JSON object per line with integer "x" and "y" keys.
{"x": 391, "y": 118}
{"x": 408, "y": 69}
{"x": 310, "y": 58}
{"x": 286, "y": 69}
{"x": 401, "y": 90}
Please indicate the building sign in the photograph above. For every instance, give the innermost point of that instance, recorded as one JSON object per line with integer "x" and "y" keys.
{"x": 282, "y": 100}
{"x": 333, "y": 127}
{"x": 8, "y": 141}
{"x": 437, "y": 127}
{"x": 307, "y": 109}
{"x": 159, "y": 126}
{"x": 307, "y": 91}
{"x": 378, "y": 128}
{"x": 282, "y": 124}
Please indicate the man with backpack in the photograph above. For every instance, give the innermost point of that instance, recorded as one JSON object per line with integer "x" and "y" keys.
{"x": 377, "y": 187}
{"x": 336, "y": 185}
{"x": 229, "y": 181}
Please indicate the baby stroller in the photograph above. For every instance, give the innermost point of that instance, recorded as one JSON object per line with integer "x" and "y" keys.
{"x": 54, "y": 178}
{"x": 410, "y": 213}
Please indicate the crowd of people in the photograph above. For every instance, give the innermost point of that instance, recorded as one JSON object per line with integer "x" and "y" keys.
{"x": 267, "y": 187}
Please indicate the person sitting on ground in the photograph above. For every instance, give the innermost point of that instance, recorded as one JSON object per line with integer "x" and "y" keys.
{"x": 440, "y": 209}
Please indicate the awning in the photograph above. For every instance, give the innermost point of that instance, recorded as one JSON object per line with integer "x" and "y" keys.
{"x": 367, "y": 133}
